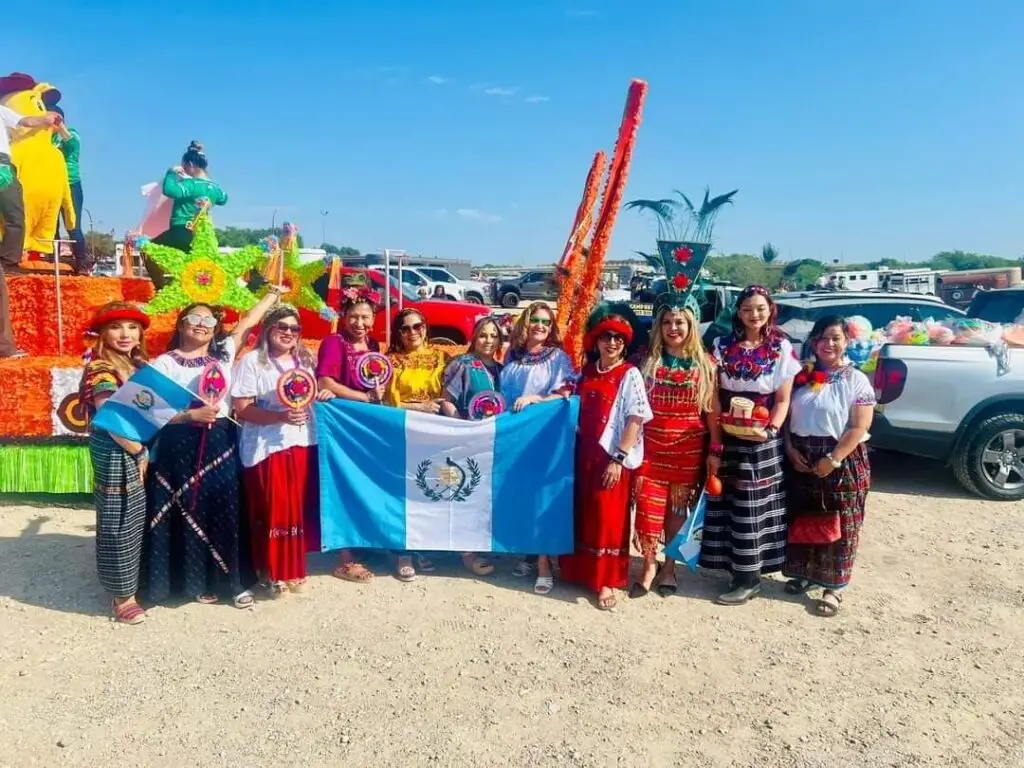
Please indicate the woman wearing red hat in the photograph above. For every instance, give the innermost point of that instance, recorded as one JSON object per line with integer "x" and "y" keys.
{"x": 118, "y": 464}
{"x": 609, "y": 446}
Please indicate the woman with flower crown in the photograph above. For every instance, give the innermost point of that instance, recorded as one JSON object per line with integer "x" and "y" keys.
{"x": 826, "y": 443}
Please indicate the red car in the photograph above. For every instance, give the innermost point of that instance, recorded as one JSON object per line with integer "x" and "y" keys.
{"x": 450, "y": 322}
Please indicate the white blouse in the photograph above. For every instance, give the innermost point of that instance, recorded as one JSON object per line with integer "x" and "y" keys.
{"x": 259, "y": 441}
{"x": 540, "y": 374}
{"x": 187, "y": 373}
{"x": 631, "y": 400}
{"x": 762, "y": 370}
{"x": 827, "y": 411}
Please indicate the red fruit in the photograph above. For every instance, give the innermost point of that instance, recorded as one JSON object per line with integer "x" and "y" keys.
{"x": 713, "y": 486}
{"x": 760, "y": 413}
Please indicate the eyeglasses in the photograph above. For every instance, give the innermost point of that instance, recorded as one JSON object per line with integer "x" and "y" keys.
{"x": 288, "y": 328}
{"x": 196, "y": 320}
{"x": 545, "y": 321}
{"x": 608, "y": 337}
{"x": 414, "y": 328}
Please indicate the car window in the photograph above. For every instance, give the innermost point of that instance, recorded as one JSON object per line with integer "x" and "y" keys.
{"x": 939, "y": 312}
{"x": 1001, "y": 307}
{"x": 438, "y": 275}
{"x": 530, "y": 277}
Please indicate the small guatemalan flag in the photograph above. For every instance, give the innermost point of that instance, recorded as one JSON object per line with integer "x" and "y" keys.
{"x": 402, "y": 480}
{"x": 142, "y": 405}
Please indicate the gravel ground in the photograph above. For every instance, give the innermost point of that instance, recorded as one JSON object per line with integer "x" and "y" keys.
{"x": 923, "y": 666}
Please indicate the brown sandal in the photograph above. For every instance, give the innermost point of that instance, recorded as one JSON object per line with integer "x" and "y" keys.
{"x": 830, "y": 603}
{"x": 354, "y": 572}
{"x": 128, "y": 613}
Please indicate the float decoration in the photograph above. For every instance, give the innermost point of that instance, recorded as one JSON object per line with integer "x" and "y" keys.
{"x": 486, "y": 405}
{"x": 203, "y": 275}
{"x": 296, "y": 389}
{"x": 213, "y": 386}
{"x": 373, "y": 370}
{"x": 286, "y": 268}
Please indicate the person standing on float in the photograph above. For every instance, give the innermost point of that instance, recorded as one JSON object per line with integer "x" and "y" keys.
{"x": 67, "y": 140}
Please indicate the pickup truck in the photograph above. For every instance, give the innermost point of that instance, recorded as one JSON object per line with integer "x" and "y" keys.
{"x": 537, "y": 285}
{"x": 962, "y": 405}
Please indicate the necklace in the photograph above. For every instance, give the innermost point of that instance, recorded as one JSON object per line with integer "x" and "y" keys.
{"x": 612, "y": 367}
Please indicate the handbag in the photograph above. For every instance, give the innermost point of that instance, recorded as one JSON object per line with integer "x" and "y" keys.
{"x": 815, "y": 529}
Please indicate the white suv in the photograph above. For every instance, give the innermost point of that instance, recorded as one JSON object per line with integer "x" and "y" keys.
{"x": 417, "y": 281}
{"x": 468, "y": 290}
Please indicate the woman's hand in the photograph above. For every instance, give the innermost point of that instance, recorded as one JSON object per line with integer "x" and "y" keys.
{"x": 612, "y": 475}
{"x": 324, "y": 395}
{"x": 713, "y": 464}
{"x": 376, "y": 395}
{"x": 449, "y": 410}
{"x": 204, "y": 414}
{"x": 430, "y": 406}
{"x": 143, "y": 463}
{"x": 294, "y": 416}
{"x": 523, "y": 402}
{"x": 797, "y": 459}
{"x": 824, "y": 467}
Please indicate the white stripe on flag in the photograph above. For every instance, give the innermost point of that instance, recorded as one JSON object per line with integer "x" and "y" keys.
{"x": 146, "y": 402}
{"x": 446, "y": 457}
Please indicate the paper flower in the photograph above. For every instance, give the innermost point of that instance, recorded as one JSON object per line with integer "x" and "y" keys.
{"x": 682, "y": 254}
{"x": 202, "y": 274}
{"x": 679, "y": 282}
{"x": 296, "y": 277}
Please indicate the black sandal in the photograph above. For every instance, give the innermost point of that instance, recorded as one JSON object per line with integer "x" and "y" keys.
{"x": 637, "y": 590}
{"x": 797, "y": 586}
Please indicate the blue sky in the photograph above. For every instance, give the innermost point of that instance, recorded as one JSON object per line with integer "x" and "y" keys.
{"x": 852, "y": 129}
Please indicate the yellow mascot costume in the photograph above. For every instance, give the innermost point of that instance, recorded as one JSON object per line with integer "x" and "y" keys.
{"x": 41, "y": 168}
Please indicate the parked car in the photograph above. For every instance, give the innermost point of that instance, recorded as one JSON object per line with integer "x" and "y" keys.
{"x": 537, "y": 285}
{"x": 718, "y": 300}
{"x": 412, "y": 277}
{"x": 472, "y": 291}
{"x": 1001, "y": 306}
{"x": 450, "y": 322}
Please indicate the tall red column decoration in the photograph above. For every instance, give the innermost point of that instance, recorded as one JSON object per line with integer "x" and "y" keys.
{"x": 570, "y": 266}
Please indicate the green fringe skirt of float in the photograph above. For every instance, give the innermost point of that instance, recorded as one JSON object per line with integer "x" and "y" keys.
{"x": 45, "y": 469}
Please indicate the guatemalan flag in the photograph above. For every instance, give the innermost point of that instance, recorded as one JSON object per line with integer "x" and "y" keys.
{"x": 403, "y": 480}
{"x": 142, "y": 405}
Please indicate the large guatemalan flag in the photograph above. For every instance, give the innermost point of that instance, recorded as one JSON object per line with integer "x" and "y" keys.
{"x": 402, "y": 480}
{"x": 142, "y": 405}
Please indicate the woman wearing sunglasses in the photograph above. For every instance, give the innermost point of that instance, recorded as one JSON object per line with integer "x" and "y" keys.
{"x": 609, "y": 446}
{"x": 536, "y": 369}
{"x": 196, "y": 544}
{"x": 416, "y": 385}
{"x": 278, "y": 452}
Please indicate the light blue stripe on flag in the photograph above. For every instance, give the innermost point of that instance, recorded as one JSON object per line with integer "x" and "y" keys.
{"x": 362, "y": 475}
{"x": 532, "y": 485}
{"x": 142, "y": 405}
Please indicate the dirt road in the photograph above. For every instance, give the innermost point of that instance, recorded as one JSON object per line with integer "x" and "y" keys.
{"x": 923, "y": 666}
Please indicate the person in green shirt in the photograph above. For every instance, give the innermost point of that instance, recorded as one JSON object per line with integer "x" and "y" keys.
{"x": 187, "y": 185}
{"x": 67, "y": 140}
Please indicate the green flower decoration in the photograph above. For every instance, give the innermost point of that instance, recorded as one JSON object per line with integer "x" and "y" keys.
{"x": 298, "y": 279}
{"x": 203, "y": 274}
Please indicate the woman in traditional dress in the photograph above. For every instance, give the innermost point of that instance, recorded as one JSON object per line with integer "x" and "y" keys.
{"x": 536, "y": 369}
{"x": 118, "y": 464}
{"x": 416, "y": 385}
{"x": 681, "y": 383}
{"x": 467, "y": 376}
{"x": 826, "y": 443}
{"x": 197, "y": 547}
{"x": 609, "y": 447}
{"x": 745, "y": 527}
{"x": 337, "y": 371}
{"x": 278, "y": 451}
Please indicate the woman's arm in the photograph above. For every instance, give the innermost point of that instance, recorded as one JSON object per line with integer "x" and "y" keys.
{"x": 860, "y": 422}
{"x": 131, "y": 447}
{"x": 247, "y": 410}
{"x": 780, "y": 410}
{"x": 331, "y": 384}
{"x": 252, "y": 318}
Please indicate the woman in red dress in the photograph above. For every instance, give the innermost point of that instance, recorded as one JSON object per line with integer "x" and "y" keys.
{"x": 609, "y": 446}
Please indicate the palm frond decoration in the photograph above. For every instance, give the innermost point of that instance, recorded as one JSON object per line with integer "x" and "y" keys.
{"x": 680, "y": 219}
{"x": 654, "y": 259}
{"x": 768, "y": 253}
{"x": 664, "y": 212}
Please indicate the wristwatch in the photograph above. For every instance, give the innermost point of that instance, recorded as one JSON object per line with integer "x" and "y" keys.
{"x": 772, "y": 431}
{"x": 832, "y": 460}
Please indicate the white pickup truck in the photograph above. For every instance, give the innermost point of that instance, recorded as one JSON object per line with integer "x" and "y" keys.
{"x": 962, "y": 405}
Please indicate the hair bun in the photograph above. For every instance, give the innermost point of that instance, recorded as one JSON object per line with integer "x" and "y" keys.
{"x": 195, "y": 146}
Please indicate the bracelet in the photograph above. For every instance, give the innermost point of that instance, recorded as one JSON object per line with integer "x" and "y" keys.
{"x": 772, "y": 431}
{"x": 619, "y": 456}
{"x": 716, "y": 450}
{"x": 836, "y": 464}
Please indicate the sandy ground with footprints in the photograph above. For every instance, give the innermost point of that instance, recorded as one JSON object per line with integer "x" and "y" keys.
{"x": 923, "y": 666}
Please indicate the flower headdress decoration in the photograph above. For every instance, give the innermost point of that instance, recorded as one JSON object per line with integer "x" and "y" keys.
{"x": 684, "y": 242}
{"x": 355, "y": 288}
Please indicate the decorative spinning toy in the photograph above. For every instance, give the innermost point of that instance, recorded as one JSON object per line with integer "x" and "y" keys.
{"x": 296, "y": 389}
{"x": 485, "y": 405}
{"x": 373, "y": 370}
{"x": 213, "y": 386}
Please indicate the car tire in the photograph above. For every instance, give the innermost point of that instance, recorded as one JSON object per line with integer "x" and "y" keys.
{"x": 978, "y": 475}
{"x": 473, "y": 298}
{"x": 510, "y": 300}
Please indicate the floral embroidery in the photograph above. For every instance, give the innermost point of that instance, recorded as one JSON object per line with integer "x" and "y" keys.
{"x": 739, "y": 362}
{"x": 522, "y": 357}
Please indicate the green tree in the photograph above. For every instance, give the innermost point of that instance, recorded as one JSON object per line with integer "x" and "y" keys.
{"x": 100, "y": 244}
{"x": 343, "y": 250}
{"x": 768, "y": 253}
{"x": 740, "y": 269}
{"x": 239, "y": 237}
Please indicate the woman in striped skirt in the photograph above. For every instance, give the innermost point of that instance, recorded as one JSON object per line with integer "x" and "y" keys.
{"x": 118, "y": 464}
{"x": 745, "y": 527}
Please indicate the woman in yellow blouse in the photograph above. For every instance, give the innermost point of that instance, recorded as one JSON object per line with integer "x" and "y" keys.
{"x": 416, "y": 385}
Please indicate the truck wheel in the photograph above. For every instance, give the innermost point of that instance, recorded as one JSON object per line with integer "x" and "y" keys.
{"x": 473, "y": 298}
{"x": 992, "y": 458}
{"x": 510, "y": 300}
{"x": 446, "y": 337}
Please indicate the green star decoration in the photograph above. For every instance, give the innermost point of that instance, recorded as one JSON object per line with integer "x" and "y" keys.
{"x": 298, "y": 280}
{"x": 202, "y": 274}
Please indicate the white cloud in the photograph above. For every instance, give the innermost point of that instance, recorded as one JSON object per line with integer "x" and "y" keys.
{"x": 499, "y": 91}
{"x": 475, "y": 214}
{"x": 437, "y": 80}
{"x": 536, "y": 99}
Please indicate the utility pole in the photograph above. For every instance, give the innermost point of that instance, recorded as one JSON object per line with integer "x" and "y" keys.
{"x": 323, "y": 226}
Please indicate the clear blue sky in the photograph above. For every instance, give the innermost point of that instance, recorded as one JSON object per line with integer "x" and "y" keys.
{"x": 865, "y": 129}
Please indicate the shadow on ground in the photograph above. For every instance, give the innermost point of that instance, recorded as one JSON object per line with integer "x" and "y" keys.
{"x": 913, "y": 475}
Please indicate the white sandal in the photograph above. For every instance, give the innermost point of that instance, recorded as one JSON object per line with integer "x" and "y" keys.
{"x": 244, "y": 600}
{"x": 543, "y": 585}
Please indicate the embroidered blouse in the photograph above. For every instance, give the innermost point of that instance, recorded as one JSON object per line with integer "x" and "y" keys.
{"x": 99, "y": 378}
{"x": 630, "y": 402}
{"x": 186, "y": 371}
{"x": 417, "y": 376}
{"x": 826, "y": 412}
{"x": 338, "y": 358}
{"x": 542, "y": 373}
{"x": 466, "y": 377}
{"x": 761, "y": 370}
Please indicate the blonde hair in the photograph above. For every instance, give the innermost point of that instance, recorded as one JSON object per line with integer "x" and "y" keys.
{"x": 125, "y": 365}
{"x": 521, "y": 328}
{"x": 693, "y": 349}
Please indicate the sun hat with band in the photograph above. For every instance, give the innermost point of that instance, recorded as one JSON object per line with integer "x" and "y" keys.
{"x": 116, "y": 311}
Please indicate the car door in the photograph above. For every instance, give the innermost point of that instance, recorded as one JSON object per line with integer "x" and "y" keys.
{"x": 531, "y": 286}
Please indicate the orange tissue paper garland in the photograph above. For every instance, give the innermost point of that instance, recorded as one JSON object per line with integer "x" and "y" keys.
{"x": 570, "y": 266}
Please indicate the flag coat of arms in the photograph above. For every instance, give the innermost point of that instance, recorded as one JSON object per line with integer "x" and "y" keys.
{"x": 142, "y": 405}
{"x": 685, "y": 545}
{"x": 403, "y": 480}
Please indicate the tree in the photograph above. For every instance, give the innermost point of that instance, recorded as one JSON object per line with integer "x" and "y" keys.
{"x": 239, "y": 237}
{"x": 343, "y": 250}
{"x": 768, "y": 253}
{"x": 100, "y": 244}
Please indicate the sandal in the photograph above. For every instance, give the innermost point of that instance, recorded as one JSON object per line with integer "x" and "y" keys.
{"x": 244, "y": 600}
{"x": 480, "y": 566}
{"x": 354, "y": 572}
{"x": 607, "y": 603}
{"x": 543, "y": 585}
{"x": 128, "y": 613}
{"x": 797, "y": 586}
{"x": 277, "y": 589}
{"x": 522, "y": 569}
{"x": 830, "y": 603}
{"x": 405, "y": 570}
{"x": 207, "y": 599}
{"x": 296, "y": 585}
{"x": 425, "y": 564}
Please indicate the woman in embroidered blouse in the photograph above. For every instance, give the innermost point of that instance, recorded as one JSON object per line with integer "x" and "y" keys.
{"x": 609, "y": 446}
{"x": 745, "y": 528}
{"x": 336, "y": 372}
{"x": 277, "y": 448}
{"x": 536, "y": 369}
{"x": 826, "y": 443}
{"x": 118, "y": 464}
{"x": 416, "y": 386}
{"x": 682, "y": 386}
{"x": 466, "y": 377}
{"x": 196, "y": 546}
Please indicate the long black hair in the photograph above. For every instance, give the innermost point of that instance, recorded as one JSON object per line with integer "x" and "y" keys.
{"x": 821, "y": 325}
{"x": 194, "y": 155}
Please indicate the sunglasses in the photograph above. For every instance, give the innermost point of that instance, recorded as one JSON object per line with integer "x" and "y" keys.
{"x": 206, "y": 321}
{"x": 545, "y": 321}
{"x": 414, "y": 328}
{"x": 609, "y": 337}
{"x": 288, "y": 328}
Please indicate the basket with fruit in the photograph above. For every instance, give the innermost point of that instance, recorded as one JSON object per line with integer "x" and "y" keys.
{"x": 745, "y": 419}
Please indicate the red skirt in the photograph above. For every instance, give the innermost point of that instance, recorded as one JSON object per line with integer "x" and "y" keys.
{"x": 279, "y": 491}
{"x": 601, "y": 558}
